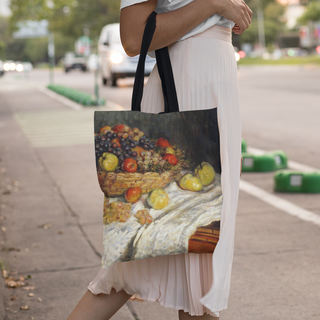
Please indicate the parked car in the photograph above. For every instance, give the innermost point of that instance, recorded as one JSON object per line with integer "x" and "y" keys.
{"x": 114, "y": 62}
{"x": 1, "y": 69}
{"x": 74, "y": 61}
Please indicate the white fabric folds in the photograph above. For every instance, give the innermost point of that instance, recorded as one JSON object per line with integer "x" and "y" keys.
{"x": 205, "y": 73}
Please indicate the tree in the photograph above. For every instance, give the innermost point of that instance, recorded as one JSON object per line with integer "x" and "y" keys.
{"x": 312, "y": 13}
{"x": 273, "y": 22}
{"x": 70, "y": 17}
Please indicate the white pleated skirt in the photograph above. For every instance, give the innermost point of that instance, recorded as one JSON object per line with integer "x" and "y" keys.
{"x": 205, "y": 73}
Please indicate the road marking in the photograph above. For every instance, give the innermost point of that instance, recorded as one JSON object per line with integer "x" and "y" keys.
{"x": 58, "y": 127}
{"x": 61, "y": 127}
{"x": 279, "y": 203}
{"x": 291, "y": 164}
{"x": 276, "y": 201}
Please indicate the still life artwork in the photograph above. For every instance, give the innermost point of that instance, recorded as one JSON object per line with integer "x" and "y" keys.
{"x": 160, "y": 175}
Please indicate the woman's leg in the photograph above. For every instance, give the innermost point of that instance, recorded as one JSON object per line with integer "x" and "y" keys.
{"x": 100, "y": 306}
{"x": 186, "y": 316}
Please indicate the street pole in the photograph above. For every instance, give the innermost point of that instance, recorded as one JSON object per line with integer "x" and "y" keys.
{"x": 51, "y": 54}
{"x": 262, "y": 42}
{"x": 96, "y": 85}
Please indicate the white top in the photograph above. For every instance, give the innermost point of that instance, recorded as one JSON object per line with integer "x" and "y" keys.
{"x": 169, "y": 5}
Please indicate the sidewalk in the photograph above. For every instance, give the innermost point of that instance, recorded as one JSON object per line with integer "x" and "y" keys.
{"x": 51, "y": 224}
{"x": 51, "y": 237}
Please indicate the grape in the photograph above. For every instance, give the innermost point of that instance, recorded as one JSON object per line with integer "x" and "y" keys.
{"x": 108, "y": 139}
{"x": 126, "y": 155}
{"x": 151, "y": 145}
{"x": 148, "y": 153}
{"x": 109, "y": 134}
{"x": 121, "y": 158}
{"x": 114, "y": 135}
{"x": 146, "y": 146}
{"x": 127, "y": 148}
{"x": 130, "y": 138}
{"x": 129, "y": 152}
{"x": 118, "y": 149}
{"x": 102, "y": 143}
{"x": 139, "y": 159}
{"x": 132, "y": 144}
{"x": 98, "y": 145}
{"x": 114, "y": 145}
{"x": 142, "y": 141}
{"x": 103, "y": 138}
{"x": 118, "y": 153}
{"x": 114, "y": 151}
{"x": 122, "y": 140}
{"x": 110, "y": 149}
{"x": 134, "y": 154}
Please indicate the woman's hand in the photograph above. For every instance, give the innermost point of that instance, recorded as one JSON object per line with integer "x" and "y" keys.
{"x": 236, "y": 11}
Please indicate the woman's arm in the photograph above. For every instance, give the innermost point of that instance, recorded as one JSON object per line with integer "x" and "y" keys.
{"x": 172, "y": 25}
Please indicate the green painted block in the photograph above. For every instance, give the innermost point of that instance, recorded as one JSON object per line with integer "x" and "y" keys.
{"x": 280, "y": 158}
{"x": 297, "y": 181}
{"x": 257, "y": 163}
{"x": 243, "y": 145}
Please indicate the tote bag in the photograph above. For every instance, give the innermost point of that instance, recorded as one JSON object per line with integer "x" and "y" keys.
{"x": 160, "y": 173}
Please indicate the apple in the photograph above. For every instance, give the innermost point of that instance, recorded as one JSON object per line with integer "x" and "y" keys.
{"x": 191, "y": 183}
{"x": 162, "y": 143}
{"x": 205, "y": 173}
{"x": 118, "y": 128}
{"x": 108, "y": 162}
{"x": 172, "y": 159}
{"x": 105, "y": 129}
{"x": 129, "y": 165}
{"x": 132, "y": 195}
{"x": 169, "y": 150}
{"x": 158, "y": 199}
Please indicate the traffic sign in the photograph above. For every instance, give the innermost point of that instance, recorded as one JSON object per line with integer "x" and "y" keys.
{"x": 31, "y": 29}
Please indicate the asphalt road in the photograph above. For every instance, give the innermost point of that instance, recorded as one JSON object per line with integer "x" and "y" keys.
{"x": 277, "y": 255}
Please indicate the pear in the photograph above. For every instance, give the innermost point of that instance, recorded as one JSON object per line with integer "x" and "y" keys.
{"x": 190, "y": 182}
{"x": 205, "y": 173}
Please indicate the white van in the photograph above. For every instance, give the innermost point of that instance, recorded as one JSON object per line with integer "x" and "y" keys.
{"x": 114, "y": 62}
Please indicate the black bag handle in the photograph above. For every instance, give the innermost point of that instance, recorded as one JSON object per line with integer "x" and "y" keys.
{"x": 164, "y": 68}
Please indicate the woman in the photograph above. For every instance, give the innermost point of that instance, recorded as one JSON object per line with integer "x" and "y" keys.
{"x": 198, "y": 34}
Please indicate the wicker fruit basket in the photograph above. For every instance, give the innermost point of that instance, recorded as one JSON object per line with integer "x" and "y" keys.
{"x": 115, "y": 184}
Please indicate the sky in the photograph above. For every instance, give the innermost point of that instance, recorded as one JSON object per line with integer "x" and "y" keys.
{"x": 4, "y": 8}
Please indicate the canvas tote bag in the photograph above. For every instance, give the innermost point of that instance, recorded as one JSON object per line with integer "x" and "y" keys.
{"x": 160, "y": 173}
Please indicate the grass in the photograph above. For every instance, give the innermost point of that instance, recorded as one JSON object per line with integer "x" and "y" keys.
{"x": 314, "y": 60}
{"x": 77, "y": 96}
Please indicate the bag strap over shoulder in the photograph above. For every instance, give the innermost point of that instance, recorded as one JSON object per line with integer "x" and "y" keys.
{"x": 164, "y": 68}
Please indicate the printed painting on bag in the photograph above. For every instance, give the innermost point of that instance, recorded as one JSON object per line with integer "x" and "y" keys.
{"x": 160, "y": 175}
